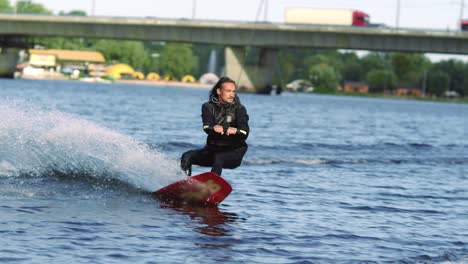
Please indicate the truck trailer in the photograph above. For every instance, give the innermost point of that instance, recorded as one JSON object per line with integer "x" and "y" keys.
{"x": 318, "y": 16}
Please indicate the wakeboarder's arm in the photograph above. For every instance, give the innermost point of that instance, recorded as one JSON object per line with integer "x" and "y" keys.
{"x": 242, "y": 123}
{"x": 209, "y": 125}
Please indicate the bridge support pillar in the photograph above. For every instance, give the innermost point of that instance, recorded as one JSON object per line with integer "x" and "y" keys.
{"x": 8, "y": 60}
{"x": 251, "y": 78}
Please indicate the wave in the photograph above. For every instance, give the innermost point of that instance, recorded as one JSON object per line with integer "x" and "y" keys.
{"x": 36, "y": 143}
{"x": 175, "y": 146}
{"x": 388, "y": 146}
{"x": 457, "y": 256}
{"x": 381, "y": 145}
{"x": 389, "y": 209}
{"x": 423, "y": 197}
{"x": 318, "y": 161}
{"x": 265, "y": 161}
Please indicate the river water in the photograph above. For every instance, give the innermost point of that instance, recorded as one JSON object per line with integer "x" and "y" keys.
{"x": 326, "y": 179}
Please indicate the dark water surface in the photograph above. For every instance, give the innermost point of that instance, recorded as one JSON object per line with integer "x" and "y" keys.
{"x": 326, "y": 179}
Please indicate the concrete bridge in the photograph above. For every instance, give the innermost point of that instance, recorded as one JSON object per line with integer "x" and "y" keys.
{"x": 236, "y": 36}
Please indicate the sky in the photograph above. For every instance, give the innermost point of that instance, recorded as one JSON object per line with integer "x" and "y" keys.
{"x": 424, "y": 14}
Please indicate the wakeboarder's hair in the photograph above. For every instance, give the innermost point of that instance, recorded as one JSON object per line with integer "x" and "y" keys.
{"x": 220, "y": 82}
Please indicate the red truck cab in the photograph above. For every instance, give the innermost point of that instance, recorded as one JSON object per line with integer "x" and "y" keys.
{"x": 464, "y": 24}
{"x": 360, "y": 19}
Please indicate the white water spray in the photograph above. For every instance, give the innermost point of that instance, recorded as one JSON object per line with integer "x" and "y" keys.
{"x": 35, "y": 142}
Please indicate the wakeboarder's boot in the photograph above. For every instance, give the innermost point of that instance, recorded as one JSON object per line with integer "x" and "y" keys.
{"x": 186, "y": 163}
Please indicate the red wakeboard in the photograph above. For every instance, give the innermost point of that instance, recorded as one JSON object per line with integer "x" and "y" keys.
{"x": 207, "y": 188}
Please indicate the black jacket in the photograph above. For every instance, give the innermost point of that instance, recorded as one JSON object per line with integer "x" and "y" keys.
{"x": 225, "y": 115}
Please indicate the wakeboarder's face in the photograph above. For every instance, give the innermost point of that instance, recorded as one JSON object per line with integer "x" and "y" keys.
{"x": 226, "y": 93}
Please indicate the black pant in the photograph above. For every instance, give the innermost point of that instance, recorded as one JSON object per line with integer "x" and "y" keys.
{"x": 215, "y": 157}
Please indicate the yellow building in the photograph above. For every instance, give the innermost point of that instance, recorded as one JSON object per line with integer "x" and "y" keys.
{"x": 67, "y": 61}
{"x": 54, "y": 58}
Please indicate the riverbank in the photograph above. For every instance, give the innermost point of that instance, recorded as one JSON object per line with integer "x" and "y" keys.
{"x": 165, "y": 83}
{"x": 102, "y": 80}
{"x": 387, "y": 96}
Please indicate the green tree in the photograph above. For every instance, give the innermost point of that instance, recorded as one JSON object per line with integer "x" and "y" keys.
{"x": 331, "y": 58}
{"x": 177, "y": 60}
{"x": 456, "y": 72}
{"x": 29, "y": 7}
{"x": 287, "y": 68}
{"x": 438, "y": 82}
{"x": 64, "y": 43}
{"x": 374, "y": 61}
{"x": 130, "y": 52}
{"x": 465, "y": 80}
{"x": 5, "y": 6}
{"x": 409, "y": 68}
{"x": 153, "y": 49}
{"x": 286, "y": 71}
{"x": 352, "y": 69}
{"x": 324, "y": 77}
{"x": 380, "y": 80}
{"x": 293, "y": 64}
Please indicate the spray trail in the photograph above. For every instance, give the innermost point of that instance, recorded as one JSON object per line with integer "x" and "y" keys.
{"x": 35, "y": 142}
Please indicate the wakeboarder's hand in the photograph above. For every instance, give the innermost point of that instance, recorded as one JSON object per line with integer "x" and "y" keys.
{"x": 231, "y": 131}
{"x": 218, "y": 129}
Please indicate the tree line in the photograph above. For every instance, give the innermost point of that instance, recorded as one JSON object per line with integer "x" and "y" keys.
{"x": 384, "y": 72}
{"x": 324, "y": 69}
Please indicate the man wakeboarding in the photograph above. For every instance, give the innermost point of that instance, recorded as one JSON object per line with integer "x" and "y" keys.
{"x": 226, "y": 122}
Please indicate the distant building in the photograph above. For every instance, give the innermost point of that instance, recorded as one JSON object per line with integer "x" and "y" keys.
{"x": 54, "y": 57}
{"x": 66, "y": 61}
{"x": 451, "y": 94}
{"x": 356, "y": 87}
{"x": 407, "y": 92}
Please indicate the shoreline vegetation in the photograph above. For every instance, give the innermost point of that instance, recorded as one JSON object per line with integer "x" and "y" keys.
{"x": 209, "y": 86}
{"x": 164, "y": 83}
{"x": 373, "y": 95}
{"x": 389, "y": 96}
